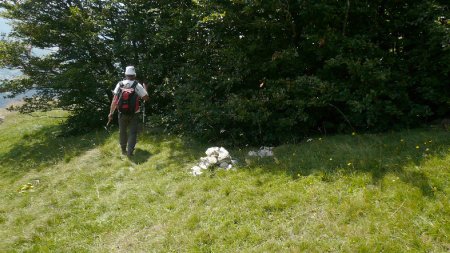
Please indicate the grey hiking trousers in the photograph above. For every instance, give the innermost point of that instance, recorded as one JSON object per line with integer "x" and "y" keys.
{"x": 128, "y": 140}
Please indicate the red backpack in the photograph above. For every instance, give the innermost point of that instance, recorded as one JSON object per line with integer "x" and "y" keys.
{"x": 128, "y": 102}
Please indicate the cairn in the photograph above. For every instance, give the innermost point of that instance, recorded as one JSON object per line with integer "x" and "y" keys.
{"x": 215, "y": 157}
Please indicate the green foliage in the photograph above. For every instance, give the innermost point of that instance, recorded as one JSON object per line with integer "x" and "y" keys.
{"x": 243, "y": 71}
{"x": 270, "y": 71}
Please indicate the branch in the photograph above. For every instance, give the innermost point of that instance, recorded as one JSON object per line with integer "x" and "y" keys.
{"x": 346, "y": 18}
{"x": 289, "y": 17}
{"x": 345, "y": 117}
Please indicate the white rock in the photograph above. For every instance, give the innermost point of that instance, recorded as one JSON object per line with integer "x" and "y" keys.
{"x": 215, "y": 157}
{"x": 223, "y": 165}
{"x": 265, "y": 152}
{"x": 262, "y": 152}
{"x": 214, "y": 151}
{"x": 196, "y": 170}
{"x": 212, "y": 160}
{"x": 204, "y": 165}
{"x": 223, "y": 154}
{"x": 252, "y": 153}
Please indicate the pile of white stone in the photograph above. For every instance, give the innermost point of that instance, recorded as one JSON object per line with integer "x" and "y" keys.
{"x": 215, "y": 157}
{"x": 262, "y": 152}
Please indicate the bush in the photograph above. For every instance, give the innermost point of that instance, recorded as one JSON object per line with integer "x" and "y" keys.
{"x": 255, "y": 72}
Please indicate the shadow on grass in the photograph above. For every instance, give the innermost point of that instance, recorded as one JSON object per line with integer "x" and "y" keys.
{"x": 378, "y": 155}
{"x": 177, "y": 151}
{"x": 140, "y": 156}
{"x": 44, "y": 147}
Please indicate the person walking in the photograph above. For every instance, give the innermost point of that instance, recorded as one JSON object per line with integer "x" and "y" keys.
{"x": 126, "y": 100}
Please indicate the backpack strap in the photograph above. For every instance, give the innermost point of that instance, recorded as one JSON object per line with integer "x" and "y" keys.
{"x": 120, "y": 91}
{"x": 136, "y": 96}
{"x": 135, "y": 83}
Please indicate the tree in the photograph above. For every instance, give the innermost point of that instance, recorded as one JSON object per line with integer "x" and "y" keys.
{"x": 244, "y": 71}
{"x": 95, "y": 40}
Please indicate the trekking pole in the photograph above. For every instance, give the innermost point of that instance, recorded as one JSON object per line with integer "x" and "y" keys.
{"x": 143, "y": 109}
{"x": 143, "y": 114}
{"x": 107, "y": 125}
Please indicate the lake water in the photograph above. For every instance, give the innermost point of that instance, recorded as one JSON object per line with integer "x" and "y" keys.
{"x": 7, "y": 74}
{"x": 5, "y": 28}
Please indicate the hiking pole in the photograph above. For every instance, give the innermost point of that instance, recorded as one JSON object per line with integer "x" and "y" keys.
{"x": 107, "y": 125}
{"x": 143, "y": 114}
{"x": 110, "y": 118}
{"x": 143, "y": 109}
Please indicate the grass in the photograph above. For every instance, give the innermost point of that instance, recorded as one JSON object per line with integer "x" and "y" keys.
{"x": 344, "y": 193}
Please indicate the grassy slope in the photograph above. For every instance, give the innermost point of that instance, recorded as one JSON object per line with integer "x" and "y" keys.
{"x": 366, "y": 193}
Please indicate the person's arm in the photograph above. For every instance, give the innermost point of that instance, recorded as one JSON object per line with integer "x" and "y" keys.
{"x": 143, "y": 91}
{"x": 112, "y": 108}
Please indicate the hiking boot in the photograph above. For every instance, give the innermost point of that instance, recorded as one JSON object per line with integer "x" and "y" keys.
{"x": 130, "y": 153}
{"x": 123, "y": 148}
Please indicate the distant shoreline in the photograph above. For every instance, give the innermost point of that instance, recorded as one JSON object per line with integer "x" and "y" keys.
{"x": 6, "y": 102}
{"x": 9, "y": 74}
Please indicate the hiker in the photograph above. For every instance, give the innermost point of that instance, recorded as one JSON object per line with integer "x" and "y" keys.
{"x": 126, "y": 100}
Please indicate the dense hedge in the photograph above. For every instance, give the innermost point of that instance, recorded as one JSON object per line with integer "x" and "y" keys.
{"x": 252, "y": 71}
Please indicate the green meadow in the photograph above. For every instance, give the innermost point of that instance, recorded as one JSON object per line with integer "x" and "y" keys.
{"x": 342, "y": 193}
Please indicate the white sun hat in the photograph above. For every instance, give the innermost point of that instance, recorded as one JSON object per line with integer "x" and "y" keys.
{"x": 130, "y": 71}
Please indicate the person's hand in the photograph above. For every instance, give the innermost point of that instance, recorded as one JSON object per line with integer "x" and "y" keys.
{"x": 110, "y": 117}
